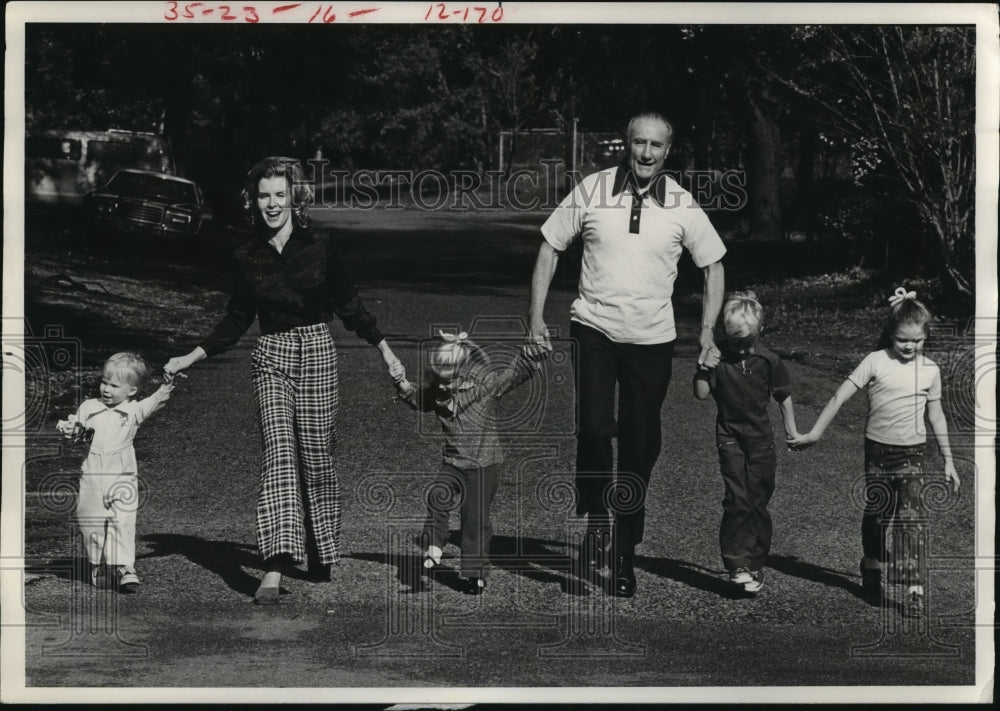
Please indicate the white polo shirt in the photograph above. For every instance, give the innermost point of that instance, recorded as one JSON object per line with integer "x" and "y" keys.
{"x": 627, "y": 279}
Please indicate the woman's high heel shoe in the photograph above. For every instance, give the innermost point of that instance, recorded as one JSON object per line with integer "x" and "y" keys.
{"x": 266, "y": 595}
{"x": 270, "y": 585}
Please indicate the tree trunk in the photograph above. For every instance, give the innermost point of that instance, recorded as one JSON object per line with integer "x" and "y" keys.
{"x": 765, "y": 175}
{"x": 806, "y": 194}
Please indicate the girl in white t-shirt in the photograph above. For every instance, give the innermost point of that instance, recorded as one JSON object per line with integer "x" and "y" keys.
{"x": 902, "y": 384}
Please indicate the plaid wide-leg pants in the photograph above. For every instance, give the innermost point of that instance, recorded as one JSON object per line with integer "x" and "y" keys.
{"x": 294, "y": 376}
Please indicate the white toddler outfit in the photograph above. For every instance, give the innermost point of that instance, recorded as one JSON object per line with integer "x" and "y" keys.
{"x": 109, "y": 494}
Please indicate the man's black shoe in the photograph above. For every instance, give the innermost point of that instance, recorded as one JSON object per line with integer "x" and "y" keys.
{"x": 624, "y": 575}
{"x": 592, "y": 548}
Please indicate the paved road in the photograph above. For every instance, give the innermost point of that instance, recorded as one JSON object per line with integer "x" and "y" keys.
{"x": 193, "y": 624}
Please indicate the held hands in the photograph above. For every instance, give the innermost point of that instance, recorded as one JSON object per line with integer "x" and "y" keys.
{"x": 396, "y": 370}
{"x": 405, "y": 388}
{"x": 708, "y": 348}
{"x": 798, "y": 442}
{"x": 169, "y": 377}
{"x": 178, "y": 363}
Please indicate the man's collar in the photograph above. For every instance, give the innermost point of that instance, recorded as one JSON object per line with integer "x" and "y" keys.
{"x": 624, "y": 177}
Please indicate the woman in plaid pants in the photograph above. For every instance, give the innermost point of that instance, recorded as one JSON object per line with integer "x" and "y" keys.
{"x": 292, "y": 280}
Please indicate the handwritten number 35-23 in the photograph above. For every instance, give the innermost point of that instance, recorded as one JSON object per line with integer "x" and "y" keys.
{"x": 225, "y": 12}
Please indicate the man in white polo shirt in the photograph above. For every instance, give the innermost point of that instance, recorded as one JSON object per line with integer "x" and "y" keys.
{"x": 635, "y": 222}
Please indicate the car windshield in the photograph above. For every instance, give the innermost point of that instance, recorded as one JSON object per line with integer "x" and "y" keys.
{"x": 152, "y": 187}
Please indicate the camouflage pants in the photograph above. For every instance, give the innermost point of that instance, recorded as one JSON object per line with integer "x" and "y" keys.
{"x": 893, "y": 528}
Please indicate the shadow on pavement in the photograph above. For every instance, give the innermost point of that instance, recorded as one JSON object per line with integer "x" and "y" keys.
{"x": 224, "y": 558}
{"x": 535, "y": 559}
{"x": 71, "y": 569}
{"x": 691, "y": 574}
{"x": 410, "y": 571}
{"x": 790, "y": 565}
{"x": 530, "y": 558}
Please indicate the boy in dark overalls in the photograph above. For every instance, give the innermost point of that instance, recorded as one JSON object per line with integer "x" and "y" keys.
{"x": 743, "y": 381}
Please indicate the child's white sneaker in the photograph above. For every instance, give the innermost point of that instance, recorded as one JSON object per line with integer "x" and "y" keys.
{"x": 432, "y": 557}
{"x": 740, "y": 576}
{"x": 756, "y": 582}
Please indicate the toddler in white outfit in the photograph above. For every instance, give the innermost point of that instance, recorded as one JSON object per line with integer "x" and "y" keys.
{"x": 109, "y": 494}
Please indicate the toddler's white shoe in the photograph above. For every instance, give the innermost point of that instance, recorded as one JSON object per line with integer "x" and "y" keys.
{"x": 127, "y": 579}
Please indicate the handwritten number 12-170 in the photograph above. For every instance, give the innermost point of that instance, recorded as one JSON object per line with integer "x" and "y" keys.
{"x": 225, "y": 12}
{"x": 444, "y": 13}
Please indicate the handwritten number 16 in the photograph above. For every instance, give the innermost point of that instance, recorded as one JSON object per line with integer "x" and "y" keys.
{"x": 328, "y": 15}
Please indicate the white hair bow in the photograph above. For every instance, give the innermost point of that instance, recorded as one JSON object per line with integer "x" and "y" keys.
{"x": 900, "y": 296}
{"x": 452, "y": 338}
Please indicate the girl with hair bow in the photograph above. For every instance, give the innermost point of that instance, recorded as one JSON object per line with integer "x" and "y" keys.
{"x": 902, "y": 385}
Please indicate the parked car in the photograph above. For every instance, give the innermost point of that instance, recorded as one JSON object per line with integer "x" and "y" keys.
{"x": 148, "y": 203}
{"x": 62, "y": 166}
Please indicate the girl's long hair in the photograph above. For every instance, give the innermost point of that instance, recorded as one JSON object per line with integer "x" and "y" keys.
{"x": 905, "y": 312}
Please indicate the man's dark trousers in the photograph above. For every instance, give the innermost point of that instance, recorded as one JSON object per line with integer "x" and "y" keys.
{"x": 641, "y": 374}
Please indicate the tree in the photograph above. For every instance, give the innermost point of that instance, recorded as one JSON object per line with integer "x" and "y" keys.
{"x": 508, "y": 67}
{"x": 906, "y": 98}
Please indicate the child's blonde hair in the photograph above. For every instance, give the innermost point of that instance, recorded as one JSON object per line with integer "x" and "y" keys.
{"x": 129, "y": 366}
{"x": 742, "y": 315}
{"x": 457, "y": 352}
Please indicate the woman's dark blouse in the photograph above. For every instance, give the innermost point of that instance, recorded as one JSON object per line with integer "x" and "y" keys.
{"x": 304, "y": 285}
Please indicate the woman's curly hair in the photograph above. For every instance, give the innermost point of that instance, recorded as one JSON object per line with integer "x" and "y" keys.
{"x": 277, "y": 167}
